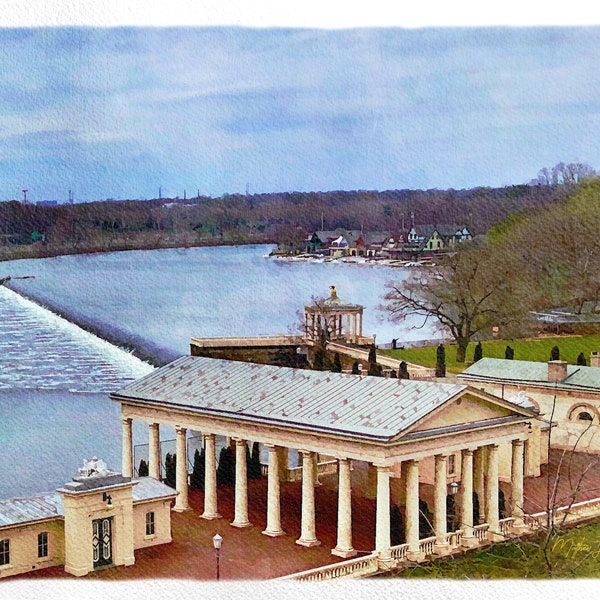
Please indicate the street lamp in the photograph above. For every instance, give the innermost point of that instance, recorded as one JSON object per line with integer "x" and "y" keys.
{"x": 217, "y": 541}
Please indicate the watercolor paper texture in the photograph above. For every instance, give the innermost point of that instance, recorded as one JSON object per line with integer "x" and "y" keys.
{"x": 136, "y": 102}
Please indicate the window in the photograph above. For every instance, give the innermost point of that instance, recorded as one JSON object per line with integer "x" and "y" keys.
{"x": 451, "y": 464}
{"x": 150, "y": 523}
{"x": 42, "y": 544}
{"x": 4, "y": 552}
{"x": 584, "y": 416}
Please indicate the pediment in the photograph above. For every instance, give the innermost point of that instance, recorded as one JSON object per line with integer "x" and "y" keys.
{"x": 467, "y": 408}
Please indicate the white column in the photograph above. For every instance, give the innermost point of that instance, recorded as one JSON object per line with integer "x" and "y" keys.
{"x": 354, "y": 328}
{"x": 361, "y": 325}
{"x": 479, "y": 480}
{"x": 491, "y": 488}
{"x": 181, "y": 478}
{"x": 210, "y": 478}
{"x": 439, "y": 504}
{"x": 241, "y": 486}
{"x": 412, "y": 508}
{"x": 308, "y": 535}
{"x": 273, "y": 496}
{"x": 382, "y": 517}
{"x": 344, "y": 547}
{"x": 154, "y": 451}
{"x": 466, "y": 504}
{"x": 516, "y": 475}
{"x": 127, "y": 448}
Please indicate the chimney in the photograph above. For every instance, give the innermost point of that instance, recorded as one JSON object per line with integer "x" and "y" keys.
{"x": 557, "y": 370}
{"x": 595, "y": 359}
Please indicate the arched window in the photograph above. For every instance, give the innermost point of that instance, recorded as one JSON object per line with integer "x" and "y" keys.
{"x": 584, "y": 413}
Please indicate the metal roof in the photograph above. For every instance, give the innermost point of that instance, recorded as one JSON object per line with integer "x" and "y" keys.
{"x": 532, "y": 373}
{"x": 17, "y": 511}
{"x": 148, "y": 488}
{"x": 364, "y": 407}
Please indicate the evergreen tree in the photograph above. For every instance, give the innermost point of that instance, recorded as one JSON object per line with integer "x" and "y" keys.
{"x": 509, "y": 353}
{"x": 478, "y": 352}
{"x": 143, "y": 469}
{"x": 226, "y": 468}
{"x": 197, "y": 478}
{"x": 337, "y": 363}
{"x": 404, "y": 371}
{"x": 254, "y": 468}
{"x": 581, "y": 361}
{"x": 393, "y": 374}
{"x": 171, "y": 470}
{"x": 355, "y": 370}
{"x": 396, "y": 526}
{"x": 319, "y": 362}
{"x": 440, "y": 364}
{"x": 374, "y": 370}
{"x": 555, "y": 353}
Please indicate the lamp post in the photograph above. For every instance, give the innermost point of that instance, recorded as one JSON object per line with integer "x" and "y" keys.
{"x": 217, "y": 541}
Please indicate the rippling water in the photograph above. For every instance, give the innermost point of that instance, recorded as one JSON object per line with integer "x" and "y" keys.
{"x": 40, "y": 350}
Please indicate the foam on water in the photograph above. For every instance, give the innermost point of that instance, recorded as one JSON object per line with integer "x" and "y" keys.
{"x": 40, "y": 350}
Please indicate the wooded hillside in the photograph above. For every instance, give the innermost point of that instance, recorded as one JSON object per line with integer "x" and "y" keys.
{"x": 28, "y": 230}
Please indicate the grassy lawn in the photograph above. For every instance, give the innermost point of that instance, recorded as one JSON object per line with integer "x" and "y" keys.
{"x": 537, "y": 349}
{"x": 573, "y": 553}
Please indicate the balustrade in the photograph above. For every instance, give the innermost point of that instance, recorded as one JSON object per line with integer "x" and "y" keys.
{"x": 480, "y": 531}
{"x": 355, "y": 567}
{"x": 453, "y": 539}
{"x": 398, "y": 553}
{"x": 426, "y": 546}
{"x": 505, "y": 525}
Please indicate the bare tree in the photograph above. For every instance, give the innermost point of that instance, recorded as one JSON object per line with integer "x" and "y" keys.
{"x": 466, "y": 294}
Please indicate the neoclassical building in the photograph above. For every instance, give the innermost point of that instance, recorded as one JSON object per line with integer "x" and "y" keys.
{"x": 567, "y": 394}
{"x": 415, "y": 440}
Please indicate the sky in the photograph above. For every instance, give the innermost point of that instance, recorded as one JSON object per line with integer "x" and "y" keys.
{"x": 116, "y": 108}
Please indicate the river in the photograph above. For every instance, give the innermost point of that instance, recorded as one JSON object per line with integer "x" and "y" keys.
{"x": 55, "y": 377}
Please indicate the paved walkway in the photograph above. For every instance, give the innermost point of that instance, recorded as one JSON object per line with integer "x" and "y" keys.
{"x": 248, "y": 555}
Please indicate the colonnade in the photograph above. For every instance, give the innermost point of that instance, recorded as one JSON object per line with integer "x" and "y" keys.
{"x": 333, "y": 323}
{"x": 479, "y": 473}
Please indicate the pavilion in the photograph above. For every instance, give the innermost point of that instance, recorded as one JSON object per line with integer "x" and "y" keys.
{"x": 403, "y": 441}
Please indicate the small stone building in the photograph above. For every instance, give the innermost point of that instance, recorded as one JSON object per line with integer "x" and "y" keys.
{"x": 97, "y": 520}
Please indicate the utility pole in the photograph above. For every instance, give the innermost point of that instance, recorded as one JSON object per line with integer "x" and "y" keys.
{"x": 160, "y": 193}
{"x": 24, "y": 196}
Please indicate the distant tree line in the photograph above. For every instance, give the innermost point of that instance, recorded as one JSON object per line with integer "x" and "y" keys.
{"x": 29, "y": 230}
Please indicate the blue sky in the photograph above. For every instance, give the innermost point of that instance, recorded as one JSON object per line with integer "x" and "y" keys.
{"x": 120, "y": 112}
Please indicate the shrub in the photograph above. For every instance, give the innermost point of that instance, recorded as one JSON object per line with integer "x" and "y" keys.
{"x": 440, "y": 364}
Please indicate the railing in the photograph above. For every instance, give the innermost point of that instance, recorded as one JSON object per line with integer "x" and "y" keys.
{"x": 327, "y": 467}
{"x": 454, "y": 538}
{"x": 355, "y": 567}
{"x": 480, "y": 531}
{"x": 426, "y": 546}
{"x": 324, "y": 468}
{"x": 505, "y": 525}
{"x": 575, "y": 512}
{"x": 399, "y": 552}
